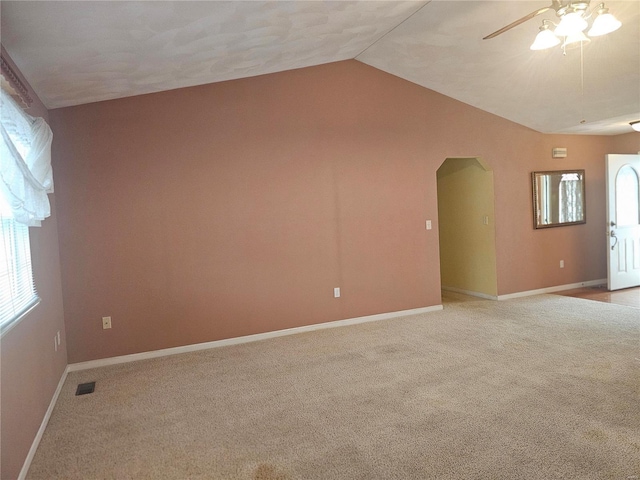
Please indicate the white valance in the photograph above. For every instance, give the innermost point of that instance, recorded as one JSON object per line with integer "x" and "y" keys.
{"x": 25, "y": 163}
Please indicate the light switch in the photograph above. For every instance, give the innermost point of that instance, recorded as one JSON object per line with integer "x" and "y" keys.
{"x": 428, "y": 224}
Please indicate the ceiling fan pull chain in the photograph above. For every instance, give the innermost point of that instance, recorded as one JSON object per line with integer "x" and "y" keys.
{"x": 582, "y": 81}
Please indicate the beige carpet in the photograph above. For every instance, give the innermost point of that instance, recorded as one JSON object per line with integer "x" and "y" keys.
{"x": 543, "y": 387}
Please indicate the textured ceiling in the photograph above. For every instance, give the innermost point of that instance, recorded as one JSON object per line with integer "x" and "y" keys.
{"x": 441, "y": 48}
{"x": 81, "y": 52}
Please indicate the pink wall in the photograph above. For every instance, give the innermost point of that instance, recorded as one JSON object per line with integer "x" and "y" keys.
{"x": 234, "y": 208}
{"x": 30, "y": 366}
{"x": 627, "y": 143}
{"x": 529, "y": 259}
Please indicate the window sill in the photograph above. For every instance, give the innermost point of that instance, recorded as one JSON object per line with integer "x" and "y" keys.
{"x": 7, "y": 327}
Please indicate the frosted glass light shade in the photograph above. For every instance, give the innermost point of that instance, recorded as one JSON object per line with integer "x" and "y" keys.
{"x": 545, "y": 39}
{"x": 571, "y": 24}
{"x": 635, "y": 125}
{"x": 576, "y": 38}
{"x": 603, "y": 24}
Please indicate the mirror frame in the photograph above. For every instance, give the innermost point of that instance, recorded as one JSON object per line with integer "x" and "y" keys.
{"x": 534, "y": 185}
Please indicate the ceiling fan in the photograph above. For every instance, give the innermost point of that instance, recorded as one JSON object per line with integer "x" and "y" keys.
{"x": 573, "y": 20}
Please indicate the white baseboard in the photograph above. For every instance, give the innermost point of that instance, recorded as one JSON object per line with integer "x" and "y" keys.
{"x": 246, "y": 339}
{"x": 558, "y": 288}
{"x": 469, "y": 292}
{"x": 43, "y": 426}
{"x": 200, "y": 346}
{"x": 263, "y": 336}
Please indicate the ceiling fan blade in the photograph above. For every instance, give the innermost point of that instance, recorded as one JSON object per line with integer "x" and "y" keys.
{"x": 518, "y": 22}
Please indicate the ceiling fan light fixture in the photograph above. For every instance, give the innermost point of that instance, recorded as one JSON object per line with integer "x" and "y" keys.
{"x": 570, "y": 24}
{"x": 576, "y": 38}
{"x": 545, "y": 38}
{"x": 574, "y": 18}
{"x": 635, "y": 125}
{"x": 604, "y": 23}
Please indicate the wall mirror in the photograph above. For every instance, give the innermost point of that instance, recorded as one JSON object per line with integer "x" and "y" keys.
{"x": 558, "y": 198}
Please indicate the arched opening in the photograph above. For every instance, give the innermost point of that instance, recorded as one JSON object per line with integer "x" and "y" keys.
{"x": 466, "y": 218}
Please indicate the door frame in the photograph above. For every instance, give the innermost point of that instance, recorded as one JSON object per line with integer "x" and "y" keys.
{"x": 617, "y": 162}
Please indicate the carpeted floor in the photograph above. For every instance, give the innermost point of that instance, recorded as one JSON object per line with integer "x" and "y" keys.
{"x": 543, "y": 387}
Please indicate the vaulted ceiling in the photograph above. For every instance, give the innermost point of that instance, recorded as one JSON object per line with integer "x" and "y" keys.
{"x": 85, "y": 51}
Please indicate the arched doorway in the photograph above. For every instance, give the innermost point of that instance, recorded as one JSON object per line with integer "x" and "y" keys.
{"x": 466, "y": 218}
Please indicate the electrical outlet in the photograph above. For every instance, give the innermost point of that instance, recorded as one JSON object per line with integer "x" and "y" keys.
{"x": 428, "y": 224}
{"x": 106, "y": 322}
{"x": 58, "y": 337}
{"x": 336, "y": 292}
{"x": 561, "y": 263}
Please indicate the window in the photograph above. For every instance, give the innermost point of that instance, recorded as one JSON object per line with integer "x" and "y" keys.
{"x": 17, "y": 290}
{"x": 627, "y": 197}
{"x": 25, "y": 180}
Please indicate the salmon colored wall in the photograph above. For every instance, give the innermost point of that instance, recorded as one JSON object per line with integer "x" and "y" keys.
{"x": 235, "y": 208}
{"x": 627, "y": 143}
{"x": 536, "y": 264}
{"x": 30, "y": 366}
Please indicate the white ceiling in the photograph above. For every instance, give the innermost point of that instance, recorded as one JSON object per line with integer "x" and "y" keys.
{"x": 85, "y": 51}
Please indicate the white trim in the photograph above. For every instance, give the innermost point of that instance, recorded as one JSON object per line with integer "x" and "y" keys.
{"x": 469, "y": 292}
{"x": 43, "y": 426}
{"x": 558, "y": 288}
{"x": 134, "y": 357}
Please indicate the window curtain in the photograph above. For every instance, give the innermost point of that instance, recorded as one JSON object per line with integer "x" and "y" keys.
{"x": 570, "y": 199}
{"x": 25, "y": 163}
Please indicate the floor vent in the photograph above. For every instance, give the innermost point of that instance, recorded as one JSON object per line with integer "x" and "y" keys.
{"x": 84, "y": 388}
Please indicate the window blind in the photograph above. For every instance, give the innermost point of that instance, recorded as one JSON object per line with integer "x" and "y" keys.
{"x": 17, "y": 290}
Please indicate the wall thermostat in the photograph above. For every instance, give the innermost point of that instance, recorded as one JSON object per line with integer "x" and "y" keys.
{"x": 559, "y": 152}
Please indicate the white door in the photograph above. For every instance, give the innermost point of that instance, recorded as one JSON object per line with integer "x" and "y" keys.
{"x": 623, "y": 221}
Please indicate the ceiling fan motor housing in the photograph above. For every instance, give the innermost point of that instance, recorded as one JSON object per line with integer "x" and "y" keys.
{"x": 562, "y": 8}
